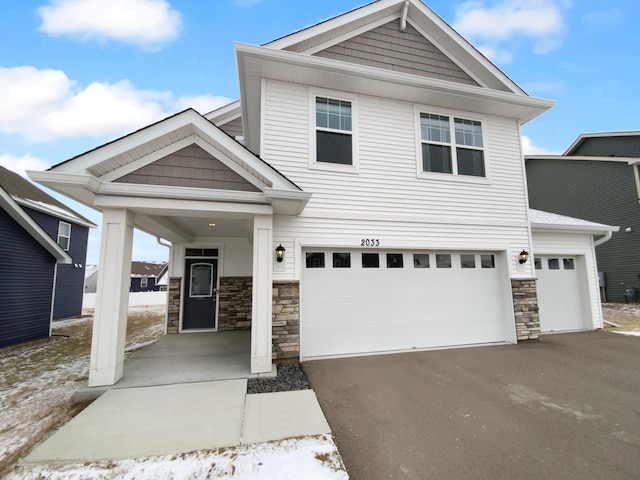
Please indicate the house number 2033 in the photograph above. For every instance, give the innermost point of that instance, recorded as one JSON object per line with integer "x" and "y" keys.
{"x": 370, "y": 242}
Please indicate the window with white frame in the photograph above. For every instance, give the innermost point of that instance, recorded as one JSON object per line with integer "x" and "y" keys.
{"x": 64, "y": 235}
{"x": 334, "y": 131}
{"x": 459, "y": 154}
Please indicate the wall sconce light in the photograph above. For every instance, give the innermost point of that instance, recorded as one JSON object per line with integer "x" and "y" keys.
{"x": 280, "y": 253}
{"x": 523, "y": 257}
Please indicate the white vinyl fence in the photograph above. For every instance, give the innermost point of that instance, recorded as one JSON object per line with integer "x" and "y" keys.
{"x": 136, "y": 299}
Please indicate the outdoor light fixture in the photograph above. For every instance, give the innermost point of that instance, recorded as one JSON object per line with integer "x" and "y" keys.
{"x": 280, "y": 253}
{"x": 523, "y": 257}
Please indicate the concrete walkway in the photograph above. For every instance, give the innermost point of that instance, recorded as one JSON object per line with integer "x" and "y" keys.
{"x": 173, "y": 419}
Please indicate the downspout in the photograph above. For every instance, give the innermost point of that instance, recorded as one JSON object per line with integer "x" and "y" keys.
{"x": 606, "y": 238}
{"x": 405, "y": 12}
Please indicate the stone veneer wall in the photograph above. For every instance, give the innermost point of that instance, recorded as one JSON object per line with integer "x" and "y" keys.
{"x": 173, "y": 309}
{"x": 286, "y": 321}
{"x": 234, "y": 303}
{"x": 525, "y": 306}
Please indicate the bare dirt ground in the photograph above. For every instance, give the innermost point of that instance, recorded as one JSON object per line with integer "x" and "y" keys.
{"x": 38, "y": 379}
{"x": 625, "y": 315}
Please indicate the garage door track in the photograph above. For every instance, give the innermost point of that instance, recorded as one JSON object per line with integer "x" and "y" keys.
{"x": 565, "y": 407}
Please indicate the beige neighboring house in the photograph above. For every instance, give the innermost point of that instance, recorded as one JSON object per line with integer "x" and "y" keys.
{"x": 366, "y": 194}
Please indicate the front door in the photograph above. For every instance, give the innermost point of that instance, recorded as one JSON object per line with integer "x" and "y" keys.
{"x": 200, "y": 294}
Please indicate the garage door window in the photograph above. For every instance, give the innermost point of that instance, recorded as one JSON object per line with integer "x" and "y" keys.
{"x": 370, "y": 260}
{"x": 341, "y": 260}
{"x": 468, "y": 261}
{"x": 568, "y": 264}
{"x": 421, "y": 260}
{"x": 488, "y": 261}
{"x": 315, "y": 260}
{"x": 443, "y": 260}
{"x": 394, "y": 260}
{"x": 554, "y": 264}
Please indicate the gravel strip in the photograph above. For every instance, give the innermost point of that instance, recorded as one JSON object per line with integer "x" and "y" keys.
{"x": 290, "y": 377}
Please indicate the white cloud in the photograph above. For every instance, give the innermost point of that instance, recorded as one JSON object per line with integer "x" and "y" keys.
{"x": 497, "y": 24}
{"x": 42, "y": 105}
{"x": 148, "y": 23}
{"x": 530, "y": 148}
{"x": 23, "y": 163}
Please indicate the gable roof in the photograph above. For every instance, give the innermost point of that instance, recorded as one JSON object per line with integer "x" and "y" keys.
{"x": 330, "y": 32}
{"x": 606, "y": 144}
{"x": 27, "y": 194}
{"x": 23, "y": 219}
{"x": 295, "y": 59}
{"x": 147, "y": 269}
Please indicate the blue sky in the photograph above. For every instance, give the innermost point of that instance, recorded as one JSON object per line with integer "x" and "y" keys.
{"x": 77, "y": 73}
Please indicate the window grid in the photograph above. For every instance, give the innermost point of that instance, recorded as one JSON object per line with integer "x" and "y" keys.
{"x": 462, "y": 156}
{"x": 64, "y": 235}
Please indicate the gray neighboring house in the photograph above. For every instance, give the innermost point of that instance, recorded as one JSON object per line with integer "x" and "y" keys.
{"x": 597, "y": 179}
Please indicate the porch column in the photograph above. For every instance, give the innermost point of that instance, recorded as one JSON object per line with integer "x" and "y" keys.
{"x": 262, "y": 294}
{"x": 112, "y": 298}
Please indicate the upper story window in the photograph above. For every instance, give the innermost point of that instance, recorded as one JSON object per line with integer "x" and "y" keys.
{"x": 334, "y": 131}
{"x": 459, "y": 154}
{"x": 64, "y": 235}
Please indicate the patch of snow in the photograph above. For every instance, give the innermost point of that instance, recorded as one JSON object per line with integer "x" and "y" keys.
{"x": 308, "y": 458}
{"x": 633, "y": 334}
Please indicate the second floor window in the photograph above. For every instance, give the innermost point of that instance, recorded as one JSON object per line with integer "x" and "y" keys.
{"x": 64, "y": 235}
{"x": 334, "y": 138}
{"x": 460, "y": 154}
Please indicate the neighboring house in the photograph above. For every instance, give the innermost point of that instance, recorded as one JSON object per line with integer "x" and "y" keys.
{"x": 145, "y": 276}
{"x": 366, "y": 194}
{"x": 42, "y": 270}
{"x": 597, "y": 179}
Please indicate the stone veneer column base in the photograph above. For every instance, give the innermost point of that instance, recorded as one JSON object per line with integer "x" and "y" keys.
{"x": 174, "y": 291}
{"x": 234, "y": 303}
{"x": 525, "y": 307}
{"x": 286, "y": 322}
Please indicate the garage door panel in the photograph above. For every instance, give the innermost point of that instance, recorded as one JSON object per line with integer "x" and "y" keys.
{"x": 358, "y": 310}
{"x": 560, "y": 294}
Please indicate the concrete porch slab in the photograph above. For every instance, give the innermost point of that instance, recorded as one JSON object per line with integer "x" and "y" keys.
{"x": 137, "y": 422}
{"x": 276, "y": 416}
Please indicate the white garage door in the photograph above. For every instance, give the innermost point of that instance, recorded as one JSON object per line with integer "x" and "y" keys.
{"x": 367, "y": 301}
{"x": 559, "y": 295}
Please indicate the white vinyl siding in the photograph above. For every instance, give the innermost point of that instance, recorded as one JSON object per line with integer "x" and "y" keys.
{"x": 387, "y": 199}
{"x": 387, "y": 182}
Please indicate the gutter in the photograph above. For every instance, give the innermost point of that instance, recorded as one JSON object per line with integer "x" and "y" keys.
{"x": 606, "y": 238}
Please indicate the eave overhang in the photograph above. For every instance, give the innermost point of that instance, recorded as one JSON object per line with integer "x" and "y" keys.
{"x": 31, "y": 227}
{"x": 257, "y": 63}
{"x": 88, "y": 188}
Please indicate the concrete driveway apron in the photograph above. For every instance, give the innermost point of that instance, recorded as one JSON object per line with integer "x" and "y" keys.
{"x": 565, "y": 407}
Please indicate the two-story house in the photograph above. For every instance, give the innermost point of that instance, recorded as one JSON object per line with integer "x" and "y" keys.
{"x": 597, "y": 179}
{"x": 42, "y": 270}
{"x": 366, "y": 194}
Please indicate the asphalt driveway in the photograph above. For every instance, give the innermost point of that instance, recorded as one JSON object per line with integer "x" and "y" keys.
{"x": 562, "y": 408}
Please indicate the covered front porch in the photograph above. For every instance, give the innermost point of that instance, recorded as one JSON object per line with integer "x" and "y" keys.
{"x": 187, "y": 183}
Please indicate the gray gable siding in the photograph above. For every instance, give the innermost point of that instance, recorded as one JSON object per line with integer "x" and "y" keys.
{"x": 69, "y": 278}
{"x": 233, "y": 128}
{"x": 603, "y": 192}
{"x": 26, "y": 281}
{"x": 623, "y": 146}
{"x": 190, "y": 167}
{"x": 390, "y": 48}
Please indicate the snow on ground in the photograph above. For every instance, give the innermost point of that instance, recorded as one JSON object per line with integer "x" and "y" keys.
{"x": 308, "y": 458}
{"x": 633, "y": 334}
